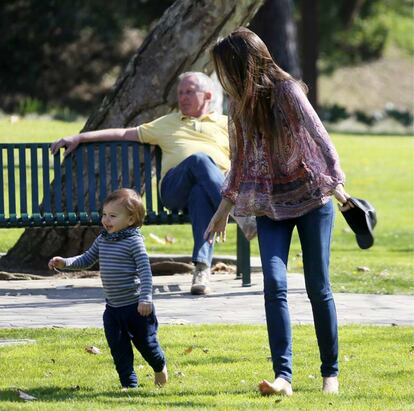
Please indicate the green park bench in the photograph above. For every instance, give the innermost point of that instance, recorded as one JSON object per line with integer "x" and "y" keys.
{"x": 72, "y": 193}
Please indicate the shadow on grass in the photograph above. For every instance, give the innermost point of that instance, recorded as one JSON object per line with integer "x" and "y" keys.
{"x": 142, "y": 395}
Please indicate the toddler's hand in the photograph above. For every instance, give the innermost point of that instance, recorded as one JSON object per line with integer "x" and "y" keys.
{"x": 56, "y": 262}
{"x": 145, "y": 309}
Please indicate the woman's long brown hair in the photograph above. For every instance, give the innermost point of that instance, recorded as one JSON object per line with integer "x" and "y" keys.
{"x": 249, "y": 76}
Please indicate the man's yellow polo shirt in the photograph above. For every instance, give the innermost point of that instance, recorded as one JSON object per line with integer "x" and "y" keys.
{"x": 180, "y": 136}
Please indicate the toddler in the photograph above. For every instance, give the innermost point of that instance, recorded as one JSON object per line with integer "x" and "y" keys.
{"x": 127, "y": 283}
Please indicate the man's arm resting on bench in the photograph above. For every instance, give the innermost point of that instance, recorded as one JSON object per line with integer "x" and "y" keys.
{"x": 109, "y": 134}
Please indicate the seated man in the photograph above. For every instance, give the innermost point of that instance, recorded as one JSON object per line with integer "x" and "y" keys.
{"x": 195, "y": 155}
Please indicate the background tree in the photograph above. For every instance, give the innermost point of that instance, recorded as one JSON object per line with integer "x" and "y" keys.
{"x": 146, "y": 89}
{"x": 61, "y": 53}
{"x": 309, "y": 12}
{"x": 274, "y": 24}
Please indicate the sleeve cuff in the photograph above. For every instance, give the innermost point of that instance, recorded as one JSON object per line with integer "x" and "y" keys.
{"x": 139, "y": 136}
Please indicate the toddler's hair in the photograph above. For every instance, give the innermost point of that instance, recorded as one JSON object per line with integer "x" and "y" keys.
{"x": 132, "y": 201}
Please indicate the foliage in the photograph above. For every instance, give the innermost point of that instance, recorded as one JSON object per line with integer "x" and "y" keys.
{"x": 60, "y": 52}
{"x": 335, "y": 113}
{"x": 214, "y": 366}
{"x": 378, "y": 24}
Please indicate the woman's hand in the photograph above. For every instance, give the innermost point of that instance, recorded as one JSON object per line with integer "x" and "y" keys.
{"x": 218, "y": 222}
{"x": 144, "y": 308}
{"x": 56, "y": 262}
{"x": 342, "y": 196}
{"x": 70, "y": 143}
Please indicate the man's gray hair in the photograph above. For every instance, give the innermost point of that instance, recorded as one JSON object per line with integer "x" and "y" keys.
{"x": 205, "y": 83}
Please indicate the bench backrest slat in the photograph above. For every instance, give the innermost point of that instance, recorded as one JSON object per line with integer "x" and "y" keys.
{"x": 91, "y": 176}
{"x": 68, "y": 182}
{"x": 23, "y": 180}
{"x": 79, "y": 180}
{"x": 11, "y": 180}
{"x": 34, "y": 180}
{"x": 1, "y": 185}
{"x": 148, "y": 185}
{"x": 136, "y": 170}
{"x": 46, "y": 180}
{"x": 114, "y": 168}
{"x": 125, "y": 166}
{"x": 102, "y": 174}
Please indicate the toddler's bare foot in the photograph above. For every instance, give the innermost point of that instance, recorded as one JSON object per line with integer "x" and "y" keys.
{"x": 161, "y": 377}
{"x": 279, "y": 387}
{"x": 330, "y": 385}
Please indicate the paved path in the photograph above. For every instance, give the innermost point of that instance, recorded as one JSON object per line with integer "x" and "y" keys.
{"x": 80, "y": 303}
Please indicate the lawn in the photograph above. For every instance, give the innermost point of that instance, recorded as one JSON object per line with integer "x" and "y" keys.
{"x": 378, "y": 168}
{"x": 215, "y": 366}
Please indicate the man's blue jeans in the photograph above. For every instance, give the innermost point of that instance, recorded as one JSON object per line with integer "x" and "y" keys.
{"x": 195, "y": 184}
{"x": 314, "y": 230}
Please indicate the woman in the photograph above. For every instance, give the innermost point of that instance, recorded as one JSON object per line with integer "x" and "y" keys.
{"x": 284, "y": 170}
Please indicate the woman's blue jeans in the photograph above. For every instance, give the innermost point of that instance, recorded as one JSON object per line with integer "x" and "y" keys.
{"x": 195, "y": 184}
{"x": 314, "y": 230}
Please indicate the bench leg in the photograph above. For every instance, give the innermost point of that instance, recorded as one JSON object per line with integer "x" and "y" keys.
{"x": 243, "y": 258}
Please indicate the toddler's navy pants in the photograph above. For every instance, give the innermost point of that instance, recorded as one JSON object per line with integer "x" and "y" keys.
{"x": 123, "y": 325}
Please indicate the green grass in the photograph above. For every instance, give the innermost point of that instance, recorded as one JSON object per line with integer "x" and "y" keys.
{"x": 378, "y": 168}
{"x": 36, "y": 130}
{"x": 221, "y": 371}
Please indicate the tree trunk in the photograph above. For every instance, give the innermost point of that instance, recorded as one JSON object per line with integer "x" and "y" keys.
{"x": 145, "y": 90}
{"x": 310, "y": 47}
{"x": 274, "y": 24}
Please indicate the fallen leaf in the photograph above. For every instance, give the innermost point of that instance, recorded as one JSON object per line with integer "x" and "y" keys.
{"x": 169, "y": 239}
{"x": 363, "y": 268}
{"x": 311, "y": 376}
{"x": 188, "y": 350}
{"x": 205, "y": 350}
{"x": 179, "y": 374}
{"x": 93, "y": 350}
{"x": 25, "y": 396}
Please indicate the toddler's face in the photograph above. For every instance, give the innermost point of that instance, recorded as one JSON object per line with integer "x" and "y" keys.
{"x": 115, "y": 217}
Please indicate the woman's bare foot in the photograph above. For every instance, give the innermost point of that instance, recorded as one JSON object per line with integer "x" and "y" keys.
{"x": 330, "y": 385}
{"x": 161, "y": 378}
{"x": 279, "y": 387}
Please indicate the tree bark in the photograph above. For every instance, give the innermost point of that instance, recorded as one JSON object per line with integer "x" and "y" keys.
{"x": 145, "y": 90}
{"x": 274, "y": 24}
{"x": 310, "y": 47}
